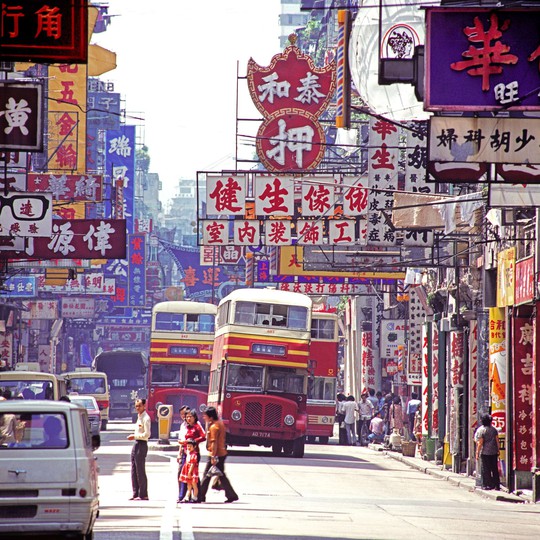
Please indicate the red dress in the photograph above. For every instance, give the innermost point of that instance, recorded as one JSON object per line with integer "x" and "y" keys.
{"x": 191, "y": 459}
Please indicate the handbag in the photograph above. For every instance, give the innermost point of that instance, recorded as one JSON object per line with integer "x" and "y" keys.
{"x": 213, "y": 471}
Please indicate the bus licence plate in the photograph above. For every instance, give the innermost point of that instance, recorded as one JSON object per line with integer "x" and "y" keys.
{"x": 260, "y": 434}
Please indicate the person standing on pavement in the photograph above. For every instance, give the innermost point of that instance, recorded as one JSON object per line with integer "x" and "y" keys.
{"x": 350, "y": 409}
{"x": 412, "y": 407}
{"x": 181, "y": 457}
{"x": 487, "y": 450}
{"x": 340, "y": 419}
{"x": 374, "y": 401}
{"x": 365, "y": 414}
{"x": 217, "y": 454}
{"x": 139, "y": 451}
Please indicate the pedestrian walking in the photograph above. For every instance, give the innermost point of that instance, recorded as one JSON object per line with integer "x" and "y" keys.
{"x": 412, "y": 407}
{"x": 190, "y": 472}
{"x": 181, "y": 457}
{"x": 340, "y": 419}
{"x": 487, "y": 450}
{"x": 365, "y": 414}
{"x": 396, "y": 415}
{"x": 350, "y": 409}
{"x": 139, "y": 451}
{"x": 217, "y": 454}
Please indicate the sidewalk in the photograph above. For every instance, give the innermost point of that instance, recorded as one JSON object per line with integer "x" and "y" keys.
{"x": 456, "y": 479}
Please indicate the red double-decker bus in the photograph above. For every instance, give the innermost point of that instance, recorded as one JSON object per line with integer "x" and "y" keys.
{"x": 258, "y": 378}
{"x": 181, "y": 340}
{"x": 323, "y": 369}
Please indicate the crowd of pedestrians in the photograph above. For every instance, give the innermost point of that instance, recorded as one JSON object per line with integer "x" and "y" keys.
{"x": 374, "y": 416}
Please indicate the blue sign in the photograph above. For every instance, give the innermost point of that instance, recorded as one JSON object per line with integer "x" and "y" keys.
{"x": 20, "y": 287}
{"x": 120, "y": 161}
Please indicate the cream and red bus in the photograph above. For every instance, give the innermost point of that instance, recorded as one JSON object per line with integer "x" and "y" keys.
{"x": 323, "y": 369}
{"x": 181, "y": 340}
{"x": 258, "y": 378}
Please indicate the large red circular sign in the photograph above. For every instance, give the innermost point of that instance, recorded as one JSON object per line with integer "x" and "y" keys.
{"x": 290, "y": 140}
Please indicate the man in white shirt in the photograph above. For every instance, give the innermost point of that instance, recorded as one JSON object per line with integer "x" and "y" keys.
{"x": 365, "y": 413}
{"x": 139, "y": 451}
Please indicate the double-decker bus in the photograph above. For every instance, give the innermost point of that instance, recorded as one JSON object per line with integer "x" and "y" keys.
{"x": 323, "y": 368}
{"x": 181, "y": 342}
{"x": 258, "y": 378}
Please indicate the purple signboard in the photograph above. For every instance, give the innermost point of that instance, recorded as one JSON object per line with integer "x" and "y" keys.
{"x": 120, "y": 160}
{"x": 482, "y": 59}
{"x": 137, "y": 270}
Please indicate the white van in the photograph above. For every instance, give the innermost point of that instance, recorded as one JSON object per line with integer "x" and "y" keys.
{"x": 48, "y": 474}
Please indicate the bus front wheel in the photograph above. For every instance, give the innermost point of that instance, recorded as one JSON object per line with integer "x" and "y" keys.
{"x": 298, "y": 447}
{"x": 276, "y": 449}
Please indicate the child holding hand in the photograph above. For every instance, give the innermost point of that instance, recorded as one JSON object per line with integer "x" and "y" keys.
{"x": 190, "y": 472}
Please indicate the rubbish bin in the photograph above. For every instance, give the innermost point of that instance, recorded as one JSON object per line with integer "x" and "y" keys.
{"x": 431, "y": 443}
{"x": 164, "y": 414}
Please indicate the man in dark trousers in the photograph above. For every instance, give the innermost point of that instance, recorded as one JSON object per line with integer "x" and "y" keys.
{"x": 139, "y": 451}
{"x": 217, "y": 453}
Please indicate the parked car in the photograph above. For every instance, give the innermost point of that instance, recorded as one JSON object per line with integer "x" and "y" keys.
{"x": 92, "y": 408}
{"x": 48, "y": 473}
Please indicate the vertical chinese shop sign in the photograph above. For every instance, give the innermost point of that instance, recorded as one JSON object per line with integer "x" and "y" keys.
{"x": 523, "y": 393}
{"x": 497, "y": 373}
{"x": 137, "y": 270}
{"x": 291, "y": 93}
{"x": 120, "y": 164}
{"x": 368, "y": 371}
{"x": 67, "y": 118}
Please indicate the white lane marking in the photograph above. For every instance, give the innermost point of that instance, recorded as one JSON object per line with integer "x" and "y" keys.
{"x": 169, "y": 511}
{"x": 167, "y": 519}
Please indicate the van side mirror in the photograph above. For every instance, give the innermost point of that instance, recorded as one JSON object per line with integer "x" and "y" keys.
{"x": 96, "y": 442}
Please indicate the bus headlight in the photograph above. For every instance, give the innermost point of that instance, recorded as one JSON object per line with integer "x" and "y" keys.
{"x": 325, "y": 420}
{"x": 202, "y": 407}
{"x": 289, "y": 420}
{"x": 236, "y": 415}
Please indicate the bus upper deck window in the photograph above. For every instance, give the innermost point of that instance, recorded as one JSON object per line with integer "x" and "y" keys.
{"x": 244, "y": 313}
{"x": 297, "y": 317}
{"x": 206, "y": 323}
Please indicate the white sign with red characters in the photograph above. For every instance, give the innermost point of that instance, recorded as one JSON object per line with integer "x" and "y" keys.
{"x": 318, "y": 198}
{"x": 355, "y": 195}
{"x": 278, "y": 232}
{"x": 225, "y": 195}
{"x": 274, "y": 195}
{"x": 246, "y": 232}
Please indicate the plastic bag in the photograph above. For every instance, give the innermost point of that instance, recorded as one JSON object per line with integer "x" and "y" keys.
{"x": 216, "y": 484}
{"x": 214, "y": 471}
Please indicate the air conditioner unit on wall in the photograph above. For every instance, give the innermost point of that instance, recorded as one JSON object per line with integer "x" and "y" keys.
{"x": 445, "y": 324}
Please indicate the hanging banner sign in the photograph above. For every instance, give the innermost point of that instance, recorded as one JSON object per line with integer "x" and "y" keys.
{"x": 44, "y": 32}
{"x": 26, "y": 214}
{"x": 68, "y": 187}
{"x": 78, "y": 239}
{"x": 21, "y": 116}
{"x": 484, "y": 140}
{"x": 482, "y": 59}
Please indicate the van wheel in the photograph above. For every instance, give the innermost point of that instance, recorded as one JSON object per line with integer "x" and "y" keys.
{"x": 104, "y": 425}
